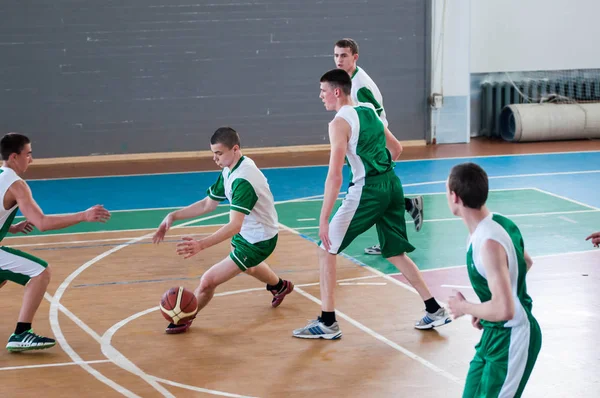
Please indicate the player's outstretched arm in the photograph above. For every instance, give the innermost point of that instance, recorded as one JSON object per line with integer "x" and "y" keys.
{"x": 501, "y": 306}
{"x": 191, "y": 246}
{"x": 197, "y": 209}
{"x": 32, "y": 212}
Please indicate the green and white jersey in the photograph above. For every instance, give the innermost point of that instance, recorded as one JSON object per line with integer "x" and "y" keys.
{"x": 505, "y": 232}
{"x": 364, "y": 90}
{"x": 366, "y": 154}
{"x": 7, "y": 178}
{"x": 248, "y": 192}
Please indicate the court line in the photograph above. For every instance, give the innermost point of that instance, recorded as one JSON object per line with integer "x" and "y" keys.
{"x": 60, "y": 338}
{"x": 387, "y": 341}
{"x": 567, "y": 199}
{"x": 51, "y": 365}
{"x": 323, "y": 165}
{"x": 506, "y": 215}
{"x": 512, "y": 176}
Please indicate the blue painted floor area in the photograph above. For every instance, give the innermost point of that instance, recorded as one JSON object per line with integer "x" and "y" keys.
{"x": 180, "y": 189}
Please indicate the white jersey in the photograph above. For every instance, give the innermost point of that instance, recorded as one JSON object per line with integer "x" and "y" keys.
{"x": 502, "y": 230}
{"x": 7, "y": 178}
{"x": 364, "y": 90}
{"x": 248, "y": 192}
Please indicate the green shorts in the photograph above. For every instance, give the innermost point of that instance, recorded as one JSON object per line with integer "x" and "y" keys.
{"x": 379, "y": 202}
{"x": 247, "y": 255}
{"x": 18, "y": 266}
{"x": 503, "y": 361}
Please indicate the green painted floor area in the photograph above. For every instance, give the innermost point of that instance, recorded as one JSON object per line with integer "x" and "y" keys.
{"x": 443, "y": 238}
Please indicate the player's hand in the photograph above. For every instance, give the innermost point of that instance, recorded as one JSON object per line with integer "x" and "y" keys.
{"x": 164, "y": 226}
{"x": 595, "y": 237}
{"x": 476, "y": 324}
{"x": 324, "y": 234}
{"x": 24, "y": 226}
{"x": 455, "y": 304}
{"x": 96, "y": 214}
{"x": 189, "y": 247}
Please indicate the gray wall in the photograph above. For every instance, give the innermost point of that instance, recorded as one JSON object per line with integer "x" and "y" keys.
{"x": 85, "y": 77}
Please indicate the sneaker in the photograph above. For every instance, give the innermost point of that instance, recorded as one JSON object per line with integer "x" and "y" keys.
{"x": 375, "y": 249}
{"x": 417, "y": 212}
{"x": 177, "y": 329}
{"x": 430, "y": 321}
{"x": 28, "y": 341}
{"x": 278, "y": 297}
{"x": 317, "y": 330}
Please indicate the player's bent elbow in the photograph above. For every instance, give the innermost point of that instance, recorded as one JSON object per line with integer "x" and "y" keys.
{"x": 508, "y": 311}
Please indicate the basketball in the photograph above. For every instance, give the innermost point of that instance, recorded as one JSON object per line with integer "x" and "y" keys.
{"x": 178, "y": 305}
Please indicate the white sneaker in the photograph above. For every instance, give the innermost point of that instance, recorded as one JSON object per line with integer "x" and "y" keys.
{"x": 430, "y": 321}
{"x": 317, "y": 330}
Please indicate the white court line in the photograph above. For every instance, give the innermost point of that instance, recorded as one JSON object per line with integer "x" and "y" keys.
{"x": 56, "y": 329}
{"x": 52, "y": 365}
{"x": 108, "y": 231}
{"x": 457, "y": 286}
{"x": 96, "y": 240}
{"x": 558, "y": 173}
{"x": 385, "y": 340}
{"x": 321, "y": 165}
{"x": 569, "y": 219}
{"x": 567, "y": 199}
{"x": 306, "y": 219}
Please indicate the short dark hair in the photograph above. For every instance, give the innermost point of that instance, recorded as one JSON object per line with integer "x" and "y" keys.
{"x": 226, "y": 136}
{"x": 12, "y": 143}
{"x": 470, "y": 183}
{"x": 338, "y": 78}
{"x": 348, "y": 43}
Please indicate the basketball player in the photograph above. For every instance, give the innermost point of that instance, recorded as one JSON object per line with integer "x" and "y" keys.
{"x": 497, "y": 264}
{"x": 253, "y": 224}
{"x": 364, "y": 89}
{"x": 375, "y": 197}
{"x": 18, "y": 266}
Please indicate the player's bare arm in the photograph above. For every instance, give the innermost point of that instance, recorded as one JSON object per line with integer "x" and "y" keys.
{"x": 501, "y": 306}
{"x": 191, "y": 246}
{"x": 20, "y": 193}
{"x": 197, "y": 209}
{"x": 392, "y": 144}
{"x": 339, "y": 134}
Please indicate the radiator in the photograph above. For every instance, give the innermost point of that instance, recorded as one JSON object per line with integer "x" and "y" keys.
{"x": 495, "y": 96}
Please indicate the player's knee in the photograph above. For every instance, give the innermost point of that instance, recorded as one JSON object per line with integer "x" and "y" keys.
{"x": 46, "y": 275}
{"x": 207, "y": 283}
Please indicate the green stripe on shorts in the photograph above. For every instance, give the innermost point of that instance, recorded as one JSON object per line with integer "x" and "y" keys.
{"x": 247, "y": 255}
{"x": 15, "y": 277}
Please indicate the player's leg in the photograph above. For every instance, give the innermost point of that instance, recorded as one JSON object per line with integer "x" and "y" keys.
{"x": 357, "y": 214}
{"x": 216, "y": 275}
{"x": 34, "y": 274}
{"x": 250, "y": 257}
{"x": 391, "y": 229}
{"x": 414, "y": 207}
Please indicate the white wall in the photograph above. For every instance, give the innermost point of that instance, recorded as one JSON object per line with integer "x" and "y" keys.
{"x": 530, "y": 35}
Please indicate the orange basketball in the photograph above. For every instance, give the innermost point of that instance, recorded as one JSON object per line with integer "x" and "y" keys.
{"x": 178, "y": 305}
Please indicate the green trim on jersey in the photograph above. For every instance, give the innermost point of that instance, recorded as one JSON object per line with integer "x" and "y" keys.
{"x": 8, "y": 223}
{"x": 364, "y": 94}
{"x": 243, "y": 196}
{"x": 217, "y": 190}
{"x": 371, "y": 146}
{"x": 355, "y": 72}
{"x": 237, "y": 164}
